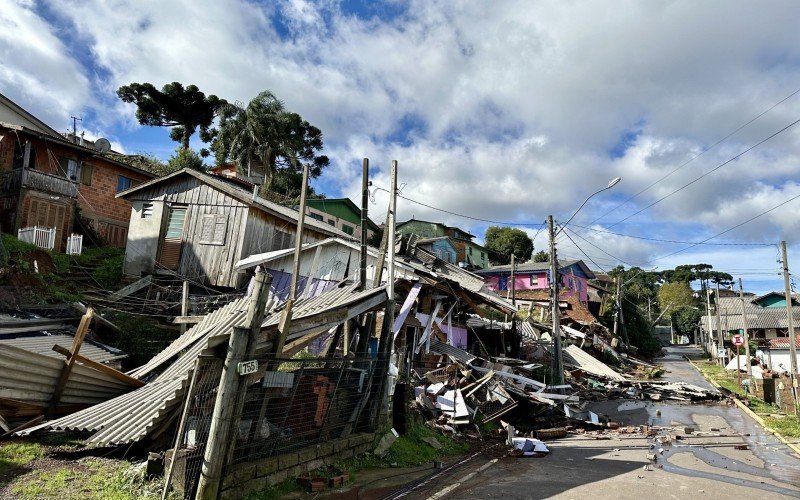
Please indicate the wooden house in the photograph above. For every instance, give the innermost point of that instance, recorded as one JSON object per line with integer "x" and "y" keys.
{"x": 198, "y": 226}
{"x": 469, "y": 254}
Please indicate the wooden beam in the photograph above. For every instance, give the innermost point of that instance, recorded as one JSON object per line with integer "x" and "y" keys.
{"x": 83, "y": 327}
{"x": 24, "y": 426}
{"x": 99, "y": 318}
{"x": 132, "y": 288}
{"x": 187, "y": 320}
{"x": 135, "y": 382}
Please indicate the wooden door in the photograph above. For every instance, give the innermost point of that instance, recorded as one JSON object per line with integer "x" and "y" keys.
{"x": 46, "y": 214}
{"x": 171, "y": 243}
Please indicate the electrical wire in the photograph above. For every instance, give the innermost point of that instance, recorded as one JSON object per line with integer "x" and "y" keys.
{"x": 679, "y": 167}
{"x": 696, "y": 179}
{"x": 660, "y": 240}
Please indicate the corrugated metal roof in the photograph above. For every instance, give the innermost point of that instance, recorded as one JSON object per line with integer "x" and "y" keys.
{"x": 783, "y": 343}
{"x": 453, "y": 352}
{"x": 132, "y": 416}
{"x": 42, "y": 343}
{"x": 31, "y": 377}
{"x": 574, "y": 355}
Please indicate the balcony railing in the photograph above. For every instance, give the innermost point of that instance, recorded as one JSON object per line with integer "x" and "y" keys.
{"x": 40, "y": 181}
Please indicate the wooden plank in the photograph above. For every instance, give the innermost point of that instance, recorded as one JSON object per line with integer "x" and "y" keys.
{"x": 132, "y": 288}
{"x": 4, "y": 425}
{"x": 187, "y": 320}
{"x": 76, "y": 346}
{"x": 24, "y": 426}
{"x": 97, "y": 317}
{"x": 135, "y": 382}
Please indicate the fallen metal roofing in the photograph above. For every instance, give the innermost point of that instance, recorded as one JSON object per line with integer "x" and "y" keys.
{"x": 131, "y": 417}
{"x": 31, "y": 377}
{"x": 42, "y": 343}
{"x": 574, "y": 355}
{"x": 454, "y": 352}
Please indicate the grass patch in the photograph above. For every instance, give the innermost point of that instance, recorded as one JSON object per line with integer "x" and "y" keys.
{"x": 724, "y": 378}
{"x": 17, "y": 454}
{"x": 90, "y": 478}
{"x": 787, "y": 426}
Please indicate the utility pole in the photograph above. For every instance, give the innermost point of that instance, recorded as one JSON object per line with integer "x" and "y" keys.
{"x": 746, "y": 336}
{"x": 515, "y": 350}
{"x": 75, "y": 121}
{"x": 554, "y": 277}
{"x": 617, "y": 282}
{"x": 391, "y": 223}
{"x": 720, "y": 338}
{"x": 710, "y": 334}
{"x": 790, "y": 323}
{"x": 362, "y": 270}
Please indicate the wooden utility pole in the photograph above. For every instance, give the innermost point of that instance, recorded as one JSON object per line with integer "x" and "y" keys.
{"x": 720, "y": 337}
{"x": 286, "y": 315}
{"x": 790, "y": 323}
{"x": 710, "y": 334}
{"x": 515, "y": 351}
{"x": 746, "y": 335}
{"x": 558, "y": 367}
{"x": 391, "y": 227}
{"x": 362, "y": 270}
{"x": 617, "y": 282}
{"x": 228, "y": 404}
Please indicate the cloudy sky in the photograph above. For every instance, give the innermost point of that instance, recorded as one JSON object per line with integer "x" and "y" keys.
{"x": 503, "y": 110}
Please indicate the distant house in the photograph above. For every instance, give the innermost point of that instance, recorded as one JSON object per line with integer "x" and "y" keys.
{"x": 536, "y": 276}
{"x": 340, "y": 213}
{"x": 441, "y": 247}
{"x": 45, "y": 177}
{"x": 766, "y": 317}
{"x": 468, "y": 253}
{"x": 198, "y": 226}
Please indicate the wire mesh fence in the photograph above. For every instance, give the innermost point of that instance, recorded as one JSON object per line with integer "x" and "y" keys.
{"x": 295, "y": 403}
{"x": 194, "y": 426}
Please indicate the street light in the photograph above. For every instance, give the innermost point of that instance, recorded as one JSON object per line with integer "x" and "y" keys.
{"x": 613, "y": 182}
{"x": 554, "y": 277}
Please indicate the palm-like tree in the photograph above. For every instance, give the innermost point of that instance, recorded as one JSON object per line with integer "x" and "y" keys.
{"x": 264, "y": 134}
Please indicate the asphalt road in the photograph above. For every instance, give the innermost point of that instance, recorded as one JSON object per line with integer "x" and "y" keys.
{"x": 703, "y": 464}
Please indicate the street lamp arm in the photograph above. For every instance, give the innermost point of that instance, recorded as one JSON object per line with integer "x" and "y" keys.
{"x": 611, "y": 184}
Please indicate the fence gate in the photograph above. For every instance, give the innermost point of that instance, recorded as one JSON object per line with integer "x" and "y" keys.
{"x": 75, "y": 244}
{"x": 42, "y": 237}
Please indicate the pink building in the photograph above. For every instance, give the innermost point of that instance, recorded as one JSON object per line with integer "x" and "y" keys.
{"x": 536, "y": 276}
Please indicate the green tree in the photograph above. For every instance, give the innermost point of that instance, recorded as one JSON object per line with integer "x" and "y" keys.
{"x": 506, "y": 241}
{"x": 265, "y": 135}
{"x": 185, "y": 158}
{"x": 144, "y": 161}
{"x": 685, "y": 320}
{"x": 183, "y": 109}
{"x": 541, "y": 256}
{"x": 675, "y": 295}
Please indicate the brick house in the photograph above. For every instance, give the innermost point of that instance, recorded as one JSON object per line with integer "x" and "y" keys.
{"x": 468, "y": 253}
{"x": 46, "y": 177}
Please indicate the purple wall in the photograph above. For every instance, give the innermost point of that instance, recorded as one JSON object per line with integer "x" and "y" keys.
{"x": 536, "y": 281}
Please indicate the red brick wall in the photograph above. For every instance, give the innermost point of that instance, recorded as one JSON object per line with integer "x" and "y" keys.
{"x": 27, "y": 219}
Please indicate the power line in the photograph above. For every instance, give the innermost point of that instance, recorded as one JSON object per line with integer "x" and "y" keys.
{"x": 720, "y": 141}
{"x": 784, "y": 129}
{"x": 660, "y": 240}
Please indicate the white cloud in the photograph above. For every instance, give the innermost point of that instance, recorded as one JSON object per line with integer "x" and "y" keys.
{"x": 514, "y": 106}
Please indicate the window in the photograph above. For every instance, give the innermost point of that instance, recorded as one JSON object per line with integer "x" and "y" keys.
{"x": 86, "y": 174}
{"x": 483, "y": 255}
{"x": 347, "y": 228}
{"x": 177, "y": 216}
{"x": 147, "y": 211}
{"x": 534, "y": 280}
{"x": 213, "y": 229}
{"x": 20, "y": 150}
{"x": 281, "y": 240}
{"x": 332, "y": 222}
{"x": 469, "y": 250}
{"x": 69, "y": 167}
{"x": 316, "y": 216}
{"x": 124, "y": 183}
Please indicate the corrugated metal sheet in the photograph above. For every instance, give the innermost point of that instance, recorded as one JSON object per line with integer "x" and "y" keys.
{"x": 42, "y": 343}
{"x": 31, "y": 377}
{"x": 574, "y": 355}
{"x": 130, "y": 417}
{"x": 453, "y": 352}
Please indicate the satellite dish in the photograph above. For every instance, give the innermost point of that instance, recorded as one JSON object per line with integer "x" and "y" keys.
{"x": 102, "y": 145}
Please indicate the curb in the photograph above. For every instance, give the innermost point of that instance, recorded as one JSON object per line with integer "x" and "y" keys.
{"x": 750, "y": 413}
{"x": 444, "y": 491}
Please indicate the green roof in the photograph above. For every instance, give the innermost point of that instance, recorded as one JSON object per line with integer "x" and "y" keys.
{"x": 343, "y": 208}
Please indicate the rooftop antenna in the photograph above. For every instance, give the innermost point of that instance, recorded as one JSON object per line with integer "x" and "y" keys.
{"x": 75, "y": 121}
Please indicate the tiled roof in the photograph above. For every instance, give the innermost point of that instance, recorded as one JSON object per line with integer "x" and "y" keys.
{"x": 783, "y": 343}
